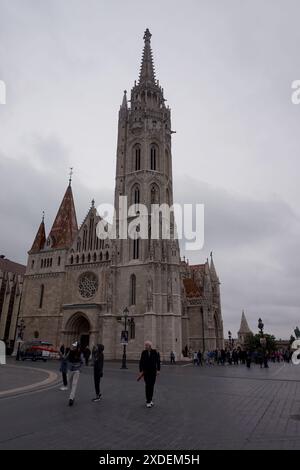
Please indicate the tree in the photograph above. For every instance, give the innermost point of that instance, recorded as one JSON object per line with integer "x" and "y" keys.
{"x": 253, "y": 343}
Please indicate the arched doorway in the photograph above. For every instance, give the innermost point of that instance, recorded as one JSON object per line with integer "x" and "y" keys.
{"x": 78, "y": 329}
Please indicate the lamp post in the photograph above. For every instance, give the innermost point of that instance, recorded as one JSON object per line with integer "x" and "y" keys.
{"x": 21, "y": 327}
{"x": 261, "y": 327}
{"x": 125, "y": 338}
{"x": 230, "y": 339}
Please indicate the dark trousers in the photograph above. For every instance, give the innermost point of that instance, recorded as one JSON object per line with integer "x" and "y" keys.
{"x": 65, "y": 379}
{"x": 149, "y": 385}
{"x": 97, "y": 377}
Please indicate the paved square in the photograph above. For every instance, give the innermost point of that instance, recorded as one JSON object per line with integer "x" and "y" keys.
{"x": 214, "y": 407}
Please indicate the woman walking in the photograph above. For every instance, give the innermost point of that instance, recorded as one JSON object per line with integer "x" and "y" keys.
{"x": 98, "y": 359}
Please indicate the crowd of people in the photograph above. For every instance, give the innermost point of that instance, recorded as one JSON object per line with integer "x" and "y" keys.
{"x": 239, "y": 356}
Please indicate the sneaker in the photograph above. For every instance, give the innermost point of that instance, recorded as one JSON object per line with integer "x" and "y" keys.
{"x": 71, "y": 402}
{"x": 148, "y": 405}
{"x": 98, "y": 398}
{"x": 63, "y": 388}
{"x": 151, "y": 403}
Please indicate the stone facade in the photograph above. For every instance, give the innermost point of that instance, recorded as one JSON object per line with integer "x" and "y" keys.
{"x": 11, "y": 287}
{"x": 78, "y": 285}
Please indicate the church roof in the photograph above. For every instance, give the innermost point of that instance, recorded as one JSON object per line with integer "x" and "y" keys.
{"x": 244, "y": 328}
{"x": 191, "y": 288}
{"x": 40, "y": 239}
{"x": 65, "y": 226}
{"x": 8, "y": 266}
{"x": 147, "y": 72}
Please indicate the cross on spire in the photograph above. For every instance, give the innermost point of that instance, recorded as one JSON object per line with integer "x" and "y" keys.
{"x": 71, "y": 175}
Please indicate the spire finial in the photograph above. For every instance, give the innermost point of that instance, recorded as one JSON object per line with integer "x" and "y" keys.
{"x": 71, "y": 175}
{"x": 43, "y": 216}
{"x": 147, "y": 35}
{"x": 147, "y": 74}
{"x": 124, "y": 102}
{"x": 93, "y": 202}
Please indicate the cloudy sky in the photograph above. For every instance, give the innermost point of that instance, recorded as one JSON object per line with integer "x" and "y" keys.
{"x": 227, "y": 69}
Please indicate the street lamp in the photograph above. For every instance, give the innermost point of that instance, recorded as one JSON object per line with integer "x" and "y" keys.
{"x": 124, "y": 338}
{"x": 21, "y": 327}
{"x": 261, "y": 326}
{"x": 230, "y": 339}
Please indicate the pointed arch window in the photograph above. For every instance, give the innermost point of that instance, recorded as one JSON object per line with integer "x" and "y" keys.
{"x": 42, "y": 291}
{"x": 137, "y": 157}
{"x": 136, "y": 196}
{"x": 136, "y": 248}
{"x": 154, "y": 196}
{"x": 153, "y": 157}
{"x": 132, "y": 328}
{"x": 133, "y": 289}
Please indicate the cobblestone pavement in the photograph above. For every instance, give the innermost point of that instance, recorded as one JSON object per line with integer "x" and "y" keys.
{"x": 195, "y": 408}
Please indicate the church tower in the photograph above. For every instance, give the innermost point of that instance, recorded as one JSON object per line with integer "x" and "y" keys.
{"x": 146, "y": 270}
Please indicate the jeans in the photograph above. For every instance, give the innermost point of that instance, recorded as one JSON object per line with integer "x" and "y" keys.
{"x": 65, "y": 379}
{"x": 97, "y": 377}
{"x": 149, "y": 385}
{"x": 74, "y": 377}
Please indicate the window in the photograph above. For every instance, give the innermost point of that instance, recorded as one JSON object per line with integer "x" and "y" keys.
{"x": 77, "y": 259}
{"x": 153, "y": 157}
{"x": 32, "y": 264}
{"x": 58, "y": 261}
{"x": 101, "y": 256}
{"x": 42, "y": 263}
{"x": 154, "y": 196}
{"x": 136, "y": 195}
{"x": 42, "y": 290}
{"x": 72, "y": 259}
{"x": 132, "y": 328}
{"x": 137, "y": 158}
{"x": 132, "y": 289}
{"x": 107, "y": 256}
{"x": 136, "y": 248}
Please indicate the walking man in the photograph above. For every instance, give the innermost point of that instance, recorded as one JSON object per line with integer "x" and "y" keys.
{"x": 149, "y": 367}
{"x": 98, "y": 358}
{"x": 64, "y": 355}
{"x": 75, "y": 364}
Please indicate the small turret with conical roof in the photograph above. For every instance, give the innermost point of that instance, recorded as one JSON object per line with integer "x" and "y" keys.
{"x": 244, "y": 330}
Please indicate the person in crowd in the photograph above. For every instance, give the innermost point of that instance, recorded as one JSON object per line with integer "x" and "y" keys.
{"x": 98, "y": 361}
{"x": 86, "y": 355}
{"x": 149, "y": 367}
{"x": 172, "y": 357}
{"x": 74, "y": 366}
{"x": 195, "y": 358}
{"x": 199, "y": 357}
{"x": 63, "y": 355}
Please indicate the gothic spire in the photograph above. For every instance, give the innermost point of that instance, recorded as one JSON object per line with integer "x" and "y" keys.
{"x": 40, "y": 238}
{"x": 213, "y": 269}
{"x": 147, "y": 72}
{"x": 244, "y": 328}
{"x": 65, "y": 225}
{"x": 124, "y": 104}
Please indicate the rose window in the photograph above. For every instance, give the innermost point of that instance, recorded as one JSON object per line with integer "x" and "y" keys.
{"x": 88, "y": 285}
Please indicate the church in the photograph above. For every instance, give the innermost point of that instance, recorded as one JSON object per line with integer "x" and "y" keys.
{"x": 78, "y": 286}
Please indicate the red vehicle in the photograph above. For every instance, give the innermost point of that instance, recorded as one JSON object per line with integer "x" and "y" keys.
{"x": 38, "y": 351}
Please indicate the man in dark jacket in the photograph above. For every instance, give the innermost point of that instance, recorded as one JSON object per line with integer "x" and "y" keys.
{"x": 150, "y": 367}
{"x": 98, "y": 359}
